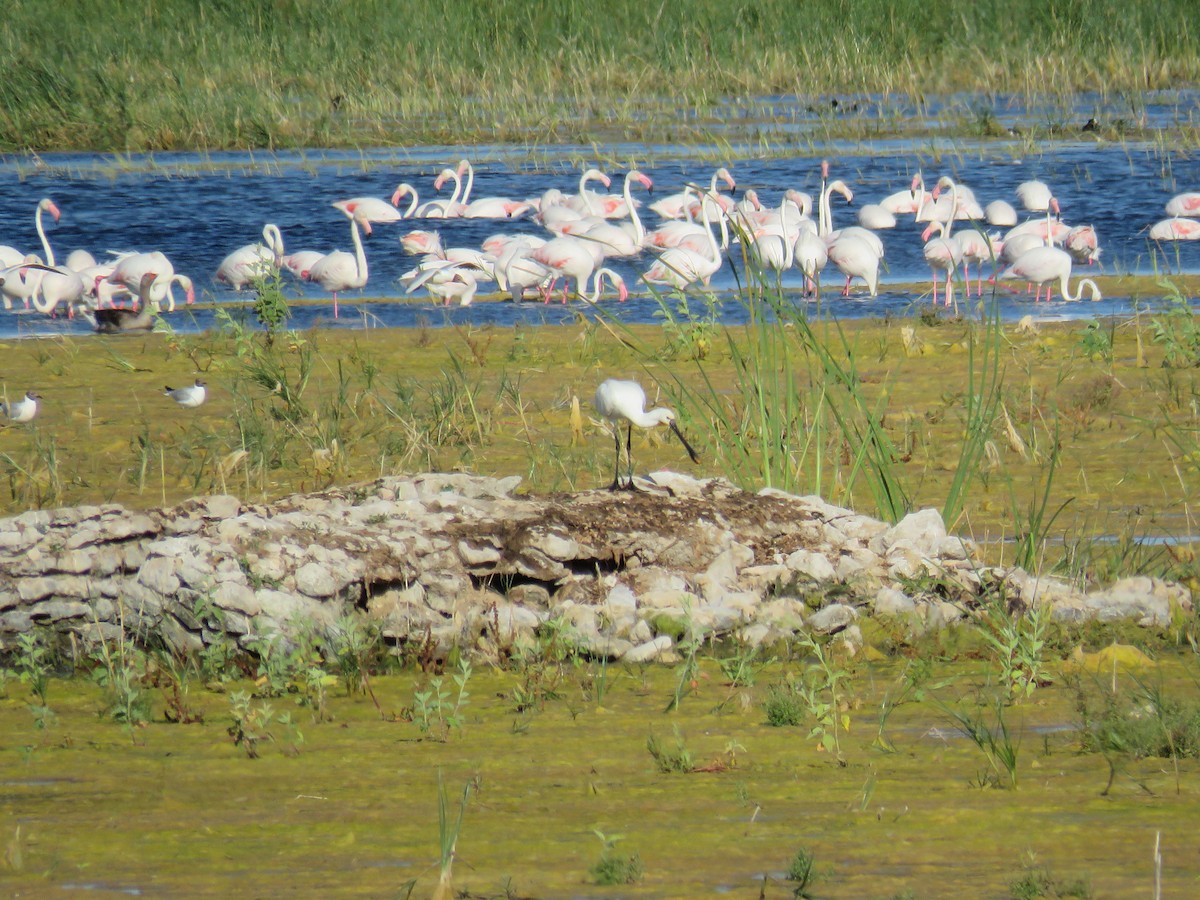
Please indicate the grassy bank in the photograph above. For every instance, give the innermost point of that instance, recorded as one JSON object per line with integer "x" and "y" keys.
{"x": 177, "y": 75}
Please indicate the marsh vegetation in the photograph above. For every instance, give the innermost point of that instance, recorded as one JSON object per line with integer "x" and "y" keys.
{"x": 169, "y": 75}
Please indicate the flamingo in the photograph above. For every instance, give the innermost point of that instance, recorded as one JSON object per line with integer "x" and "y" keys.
{"x": 1045, "y": 265}
{"x": 17, "y": 282}
{"x": 342, "y": 271}
{"x": 447, "y": 281}
{"x": 673, "y": 206}
{"x": 368, "y": 211}
{"x": 625, "y": 401}
{"x": 1186, "y": 204}
{"x": 856, "y": 258}
{"x": 977, "y": 248}
{"x": 1083, "y": 245}
{"x": 616, "y": 239}
{"x": 444, "y": 209}
{"x": 875, "y": 215}
{"x": 301, "y": 262}
{"x": 774, "y": 246}
{"x": 598, "y": 284}
{"x": 128, "y": 272}
{"x": 11, "y": 256}
{"x": 943, "y": 253}
{"x": 1000, "y": 213}
{"x": 569, "y": 257}
{"x": 1035, "y": 196}
{"x": 56, "y": 285}
{"x": 905, "y": 202}
{"x": 810, "y": 256}
{"x": 1177, "y": 228}
{"x": 516, "y": 272}
{"x": 252, "y": 261}
{"x": 486, "y": 207}
{"x": 680, "y": 266}
{"x": 587, "y": 203}
{"x": 434, "y": 209}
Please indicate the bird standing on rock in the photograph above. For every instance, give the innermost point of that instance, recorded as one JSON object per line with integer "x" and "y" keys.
{"x": 22, "y": 410}
{"x": 619, "y": 401}
{"x": 189, "y": 397}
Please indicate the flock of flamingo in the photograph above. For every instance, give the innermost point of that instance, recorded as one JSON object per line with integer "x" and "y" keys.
{"x": 580, "y": 231}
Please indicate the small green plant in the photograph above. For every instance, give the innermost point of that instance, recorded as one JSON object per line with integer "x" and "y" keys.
{"x": 436, "y": 712}
{"x": 802, "y": 872}
{"x": 355, "y": 643}
{"x": 671, "y": 760}
{"x": 742, "y": 667}
{"x": 270, "y": 304}
{"x": 33, "y": 669}
{"x": 448, "y": 832}
{"x": 121, "y": 672}
{"x": 1018, "y": 642}
{"x": 687, "y": 672}
{"x": 250, "y": 724}
{"x": 999, "y": 745}
{"x": 276, "y": 666}
{"x": 615, "y": 868}
{"x": 1095, "y": 343}
{"x": 1036, "y": 881}
{"x": 783, "y": 705}
{"x": 1177, "y": 329}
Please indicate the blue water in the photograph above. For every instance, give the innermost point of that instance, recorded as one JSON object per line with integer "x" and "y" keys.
{"x": 196, "y": 208}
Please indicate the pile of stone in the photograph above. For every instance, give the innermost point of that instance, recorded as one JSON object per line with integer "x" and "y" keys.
{"x": 444, "y": 561}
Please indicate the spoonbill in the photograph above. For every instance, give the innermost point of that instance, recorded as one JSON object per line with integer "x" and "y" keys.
{"x": 625, "y": 401}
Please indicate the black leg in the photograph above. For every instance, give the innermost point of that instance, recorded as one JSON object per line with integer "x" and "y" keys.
{"x": 629, "y": 458}
{"x": 617, "y": 445}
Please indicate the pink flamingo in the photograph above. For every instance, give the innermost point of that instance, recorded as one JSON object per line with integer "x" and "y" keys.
{"x": 672, "y": 206}
{"x": 680, "y": 267}
{"x": 252, "y": 261}
{"x": 342, "y": 271}
{"x": 569, "y": 257}
{"x": 1045, "y": 265}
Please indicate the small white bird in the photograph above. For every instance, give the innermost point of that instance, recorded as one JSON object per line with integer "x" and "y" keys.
{"x": 189, "y": 397}
{"x": 625, "y": 400}
{"x": 22, "y": 410}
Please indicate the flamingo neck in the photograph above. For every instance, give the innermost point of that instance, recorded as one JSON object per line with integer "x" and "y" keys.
{"x": 45, "y": 240}
{"x": 639, "y": 231}
{"x": 412, "y": 204}
{"x": 360, "y": 255}
{"x": 470, "y": 183}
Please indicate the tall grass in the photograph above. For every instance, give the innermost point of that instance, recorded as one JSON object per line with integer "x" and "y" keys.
{"x": 176, "y": 74}
{"x": 797, "y": 418}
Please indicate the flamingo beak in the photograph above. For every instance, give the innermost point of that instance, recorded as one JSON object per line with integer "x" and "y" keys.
{"x": 622, "y": 292}
{"x": 191, "y": 294}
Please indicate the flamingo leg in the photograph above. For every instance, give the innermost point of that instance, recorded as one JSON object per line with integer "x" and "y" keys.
{"x": 335, "y": 305}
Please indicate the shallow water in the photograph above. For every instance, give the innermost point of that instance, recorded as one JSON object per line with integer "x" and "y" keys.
{"x": 196, "y": 208}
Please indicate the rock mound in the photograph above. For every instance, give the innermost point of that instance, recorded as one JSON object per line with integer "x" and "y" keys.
{"x": 458, "y": 560}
